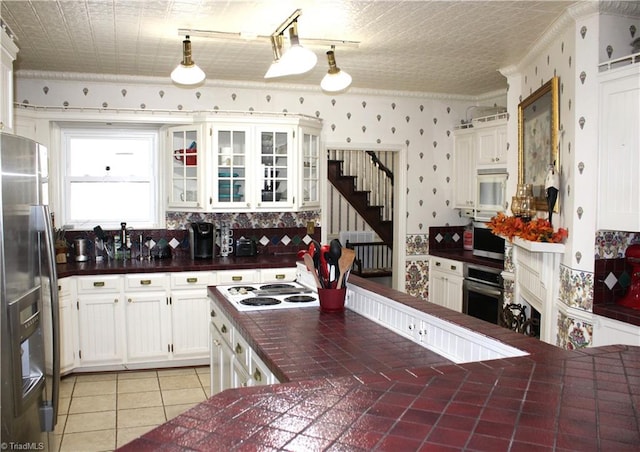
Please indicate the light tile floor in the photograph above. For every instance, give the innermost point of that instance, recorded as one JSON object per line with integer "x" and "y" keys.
{"x": 103, "y": 411}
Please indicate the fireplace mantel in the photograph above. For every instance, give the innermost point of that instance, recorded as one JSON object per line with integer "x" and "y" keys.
{"x": 537, "y": 281}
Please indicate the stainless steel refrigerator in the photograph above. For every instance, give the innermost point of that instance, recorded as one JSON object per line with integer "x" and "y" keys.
{"x": 29, "y": 345}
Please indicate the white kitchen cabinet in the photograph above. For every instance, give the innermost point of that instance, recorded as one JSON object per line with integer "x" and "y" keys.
{"x": 190, "y": 313}
{"x": 186, "y": 167}
{"x": 464, "y": 169}
{"x": 479, "y": 145}
{"x": 447, "y": 339}
{"x": 68, "y": 330}
{"x": 619, "y": 150}
{"x": 221, "y": 358}
{"x": 146, "y": 314}
{"x": 309, "y": 170}
{"x": 445, "y": 283}
{"x": 100, "y": 320}
{"x": 147, "y": 327}
{"x": 241, "y": 163}
{"x": 253, "y": 166}
{"x": 492, "y": 145}
{"x": 9, "y": 51}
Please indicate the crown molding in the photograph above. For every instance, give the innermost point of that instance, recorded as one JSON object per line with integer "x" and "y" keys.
{"x": 141, "y": 80}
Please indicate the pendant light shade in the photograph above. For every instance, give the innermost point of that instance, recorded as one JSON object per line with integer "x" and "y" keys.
{"x": 276, "y": 69}
{"x": 298, "y": 59}
{"x": 335, "y": 79}
{"x": 187, "y": 72}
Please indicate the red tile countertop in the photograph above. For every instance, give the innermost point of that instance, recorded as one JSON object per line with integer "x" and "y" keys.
{"x": 343, "y": 392}
{"x": 176, "y": 264}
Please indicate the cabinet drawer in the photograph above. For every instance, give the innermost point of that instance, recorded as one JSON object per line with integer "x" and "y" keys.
{"x": 146, "y": 281}
{"x": 222, "y": 324}
{"x": 64, "y": 287}
{"x": 242, "y": 351}
{"x": 192, "y": 280}
{"x": 238, "y": 276}
{"x": 95, "y": 284}
{"x": 274, "y": 275}
{"x": 447, "y": 266}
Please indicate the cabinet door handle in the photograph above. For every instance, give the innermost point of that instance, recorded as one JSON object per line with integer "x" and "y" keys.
{"x": 236, "y": 278}
{"x": 115, "y": 300}
{"x": 438, "y": 264}
{"x": 238, "y": 349}
{"x": 192, "y": 280}
{"x": 98, "y": 284}
{"x": 129, "y": 300}
{"x": 145, "y": 282}
{"x": 257, "y": 375}
{"x": 224, "y": 328}
{"x": 213, "y": 313}
{"x": 453, "y": 267}
{"x": 280, "y": 276}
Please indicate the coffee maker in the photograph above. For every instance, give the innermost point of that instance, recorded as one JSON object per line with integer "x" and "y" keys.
{"x": 202, "y": 237}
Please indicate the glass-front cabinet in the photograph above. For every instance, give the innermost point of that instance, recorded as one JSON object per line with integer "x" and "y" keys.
{"x": 275, "y": 176}
{"x": 186, "y": 167}
{"x": 310, "y": 168}
{"x": 245, "y": 164}
{"x": 230, "y": 148}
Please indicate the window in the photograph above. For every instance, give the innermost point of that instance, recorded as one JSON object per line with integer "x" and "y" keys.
{"x": 109, "y": 177}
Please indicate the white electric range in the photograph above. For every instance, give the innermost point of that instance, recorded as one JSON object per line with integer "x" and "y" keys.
{"x": 256, "y": 297}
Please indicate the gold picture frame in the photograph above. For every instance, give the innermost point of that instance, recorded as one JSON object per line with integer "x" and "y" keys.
{"x": 538, "y": 125}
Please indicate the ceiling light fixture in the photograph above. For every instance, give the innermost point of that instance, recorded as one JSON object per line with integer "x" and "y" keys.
{"x": 276, "y": 69}
{"x": 187, "y": 72}
{"x": 336, "y": 79}
{"x": 297, "y": 59}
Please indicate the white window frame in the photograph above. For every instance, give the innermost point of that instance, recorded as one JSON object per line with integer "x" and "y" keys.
{"x": 95, "y": 131}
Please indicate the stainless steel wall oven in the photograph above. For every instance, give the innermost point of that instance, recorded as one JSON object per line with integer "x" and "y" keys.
{"x": 483, "y": 293}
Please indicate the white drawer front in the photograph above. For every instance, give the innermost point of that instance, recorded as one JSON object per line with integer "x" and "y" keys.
{"x": 146, "y": 281}
{"x": 275, "y": 275}
{"x": 97, "y": 284}
{"x": 238, "y": 276}
{"x": 192, "y": 280}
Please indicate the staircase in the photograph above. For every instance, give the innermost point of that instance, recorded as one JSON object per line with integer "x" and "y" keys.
{"x": 360, "y": 200}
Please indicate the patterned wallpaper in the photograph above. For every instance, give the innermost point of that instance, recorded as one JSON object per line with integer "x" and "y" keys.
{"x": 571, "y": 49}
{"x": 419, "y": 123}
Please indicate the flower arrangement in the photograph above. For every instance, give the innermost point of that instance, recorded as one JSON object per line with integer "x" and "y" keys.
{"x": 536, "y": 230}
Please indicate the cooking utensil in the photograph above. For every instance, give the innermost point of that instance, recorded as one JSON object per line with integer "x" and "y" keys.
{"x": 324, "y": 267}
{"x": 335, "y": 251}
{"x": 308, "y": 261}
{"x": 344, "y": 265}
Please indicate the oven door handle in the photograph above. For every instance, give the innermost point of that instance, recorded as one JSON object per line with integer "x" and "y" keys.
{"x": 482, "y": 288}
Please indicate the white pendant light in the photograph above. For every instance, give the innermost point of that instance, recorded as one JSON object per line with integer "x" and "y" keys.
{"x": 298, "y": 59}
{"x": 336, "y": 79}
{"x": 276, "y": 69}
{"x": 187, "y": 72}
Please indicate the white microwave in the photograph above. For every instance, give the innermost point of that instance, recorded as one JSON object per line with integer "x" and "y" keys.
{"x": 490, "y": 193}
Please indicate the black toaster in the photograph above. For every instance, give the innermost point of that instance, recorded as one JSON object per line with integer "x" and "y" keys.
{"x": 246, "y": 247}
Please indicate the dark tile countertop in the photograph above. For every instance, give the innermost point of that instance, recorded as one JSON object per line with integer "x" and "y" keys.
{"x": 352, "y": 385}
{"x": 175, "y": 264}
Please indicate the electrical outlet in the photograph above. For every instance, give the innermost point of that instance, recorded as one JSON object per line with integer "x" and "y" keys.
{"x": 311, "y": 227}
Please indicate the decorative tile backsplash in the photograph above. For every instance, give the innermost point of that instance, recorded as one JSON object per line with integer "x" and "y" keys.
{"x": 612, "y": 274}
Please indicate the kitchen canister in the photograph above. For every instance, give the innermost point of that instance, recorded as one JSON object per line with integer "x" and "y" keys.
{"x": 332, "y": 300}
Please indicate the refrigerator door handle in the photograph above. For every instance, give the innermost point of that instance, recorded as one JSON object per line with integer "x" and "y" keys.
{"x": 49, "y": 412}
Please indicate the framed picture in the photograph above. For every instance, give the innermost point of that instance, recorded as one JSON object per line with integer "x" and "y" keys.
{"x": 538, "y": 124}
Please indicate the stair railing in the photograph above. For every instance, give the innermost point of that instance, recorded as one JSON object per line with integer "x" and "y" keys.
{"x": 374, "y": 173}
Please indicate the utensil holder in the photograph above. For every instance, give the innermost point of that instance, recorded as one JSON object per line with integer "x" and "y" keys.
{"x": 332, "y": 300}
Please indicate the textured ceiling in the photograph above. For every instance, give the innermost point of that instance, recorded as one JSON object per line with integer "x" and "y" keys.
{"x": 453, "y": 47}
